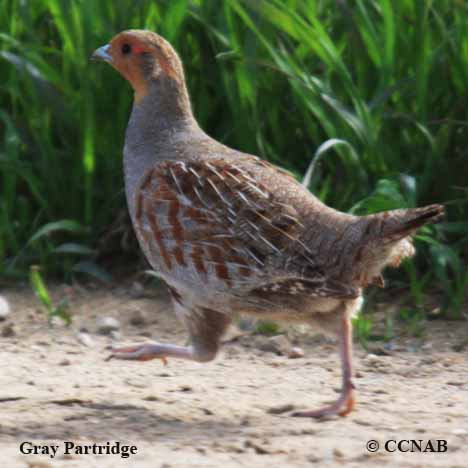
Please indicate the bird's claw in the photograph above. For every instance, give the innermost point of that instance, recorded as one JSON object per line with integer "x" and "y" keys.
{"x": 141, "y": 352}
{"x": 342, "y": 407}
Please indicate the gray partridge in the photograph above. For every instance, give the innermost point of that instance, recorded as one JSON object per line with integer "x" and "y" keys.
{"x": 229, "y": 232}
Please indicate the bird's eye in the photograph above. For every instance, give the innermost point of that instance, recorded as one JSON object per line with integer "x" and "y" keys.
{"x": 126, "y": 49}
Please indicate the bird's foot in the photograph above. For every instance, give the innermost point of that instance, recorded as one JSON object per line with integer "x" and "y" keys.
{"x": 139, "y": 352}
{"x": 343, "y": 406}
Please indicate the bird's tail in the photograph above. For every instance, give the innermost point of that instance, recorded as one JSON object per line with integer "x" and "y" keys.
{"x": 385, "y": 240}
{"x": 398, "y": 224}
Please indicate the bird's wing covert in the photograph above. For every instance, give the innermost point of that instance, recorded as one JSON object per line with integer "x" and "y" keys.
{"x": 215, "y": 219}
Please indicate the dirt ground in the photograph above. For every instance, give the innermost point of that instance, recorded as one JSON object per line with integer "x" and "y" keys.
{"x": 55, "y": 387}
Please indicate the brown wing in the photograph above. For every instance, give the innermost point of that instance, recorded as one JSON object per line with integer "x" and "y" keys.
{"x": 212, "y": 219}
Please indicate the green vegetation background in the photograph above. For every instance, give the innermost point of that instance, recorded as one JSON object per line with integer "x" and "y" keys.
{"x": 377, "y": 90}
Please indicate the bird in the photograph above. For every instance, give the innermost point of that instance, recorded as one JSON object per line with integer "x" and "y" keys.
{"x": 232, "y": 234}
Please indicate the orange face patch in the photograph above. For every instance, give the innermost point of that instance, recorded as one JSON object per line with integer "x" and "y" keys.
{"x": 126, "y": 50}
{"x": 129, "y": 64}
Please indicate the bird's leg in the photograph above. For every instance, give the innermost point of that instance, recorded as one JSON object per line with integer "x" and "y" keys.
{"x": 148, "y": 351}
{"x": 205, "y": 326}
{"x": 346, "y": 401}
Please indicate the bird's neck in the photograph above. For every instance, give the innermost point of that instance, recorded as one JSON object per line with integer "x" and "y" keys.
{"x": 159, "y": 121}
{"x": 164, "y": 108}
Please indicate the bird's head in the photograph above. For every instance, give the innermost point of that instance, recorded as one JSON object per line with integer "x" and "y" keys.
{"x": 142, "y": 57}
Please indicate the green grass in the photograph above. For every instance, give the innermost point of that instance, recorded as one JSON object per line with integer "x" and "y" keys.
{"x": 61, "y": 311}
{"x": 375, "y": 89}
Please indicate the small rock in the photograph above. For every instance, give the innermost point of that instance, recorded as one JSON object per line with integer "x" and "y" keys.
{"x": 137, "y": 290}
{"x": 455, "y": 383}
{"x": 57, "y": 322}
{"x": 427, "y": 361}
{"x": 42, "y": 343}
{"x": 373, "y": 359}
{"x": 362, "y": 422}
{"x": 234, "y": 447}
{"x": 4, "y": 308}
{"x": 38, "y": 464}
{"x": 379, "y": 350}
{"x": 84, "y": 339}
{"x": 278, "y": 344}
{"x": 232, "y": 352}
{"x": 390, "y": 346}
{"x": 105, "y": 325}
{"x": 185, "y": 388}
{"x": 134, "y": 384}
{"x": 459, "y": 347}
{"x": 338, "y": 453}
{"x": 295, "y": 352}
{"x": 64, "y": 362}
{"x": 280, "y": 409}
{"x": 116, "y": 335}
{"x": 8, "y": 331}
{"x": 303, "y": 431}
{"x": 138, "y": 318}
{"x": 260, "y": 450}
{"x": 151, "y": 398}
{"x": 275, "y": 362}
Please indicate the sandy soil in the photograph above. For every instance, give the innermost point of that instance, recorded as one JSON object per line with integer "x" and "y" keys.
{"x": 232, "y": 412}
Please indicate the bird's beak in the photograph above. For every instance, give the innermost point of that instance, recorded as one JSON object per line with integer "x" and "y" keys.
{"x": 102, "y": 54}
